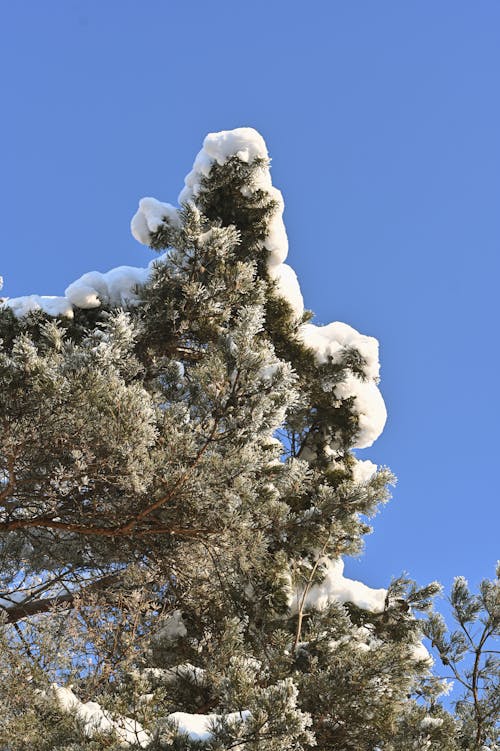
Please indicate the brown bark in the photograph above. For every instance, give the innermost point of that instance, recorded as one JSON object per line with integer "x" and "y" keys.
{"x": 66, "y": 600}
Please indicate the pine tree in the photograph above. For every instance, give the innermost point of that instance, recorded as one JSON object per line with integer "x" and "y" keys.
{"x": 470, "y": 655}
{"x": 178, "y": 485}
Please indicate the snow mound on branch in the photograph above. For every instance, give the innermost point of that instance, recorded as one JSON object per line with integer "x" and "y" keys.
{"x": 53, "y": 306}
{"x": 287, "y": 286}
{"x": 431, "y": 722}
{"x": 198, "y": 727}
{"x": 115, "y": 287}
{"x": 362, "y": 639}
{"x": 419, "y": 652}
{"x": 245, "y": 143}
{"x": 335, "y": 587}
{"x": 363, "y": 471}
{"x": 149, "y": 218}
{"x": 95, "y": 719}
{"x": 368, "y": 405}
{"x": 331, "y": 342}
{"x": 276, "y": 241}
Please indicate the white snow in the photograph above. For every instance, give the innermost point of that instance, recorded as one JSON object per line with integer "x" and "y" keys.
{"x": 185, "y": 671}
{"x": 95, "y": 719}
{"x": 244, "y": 143}
{"x": 53, "y": 306}
{"x": 363, "y": 471}
{"x": 115, "y": 287}
{"x": 330, "y": 343}
{"x": 276, "y": 241}
{"x": 431, "y": 722}
{"x": 362, "y": 639}
{"x": 335, "y": 587}
{"x": 419, "y": 652}
{"x": 198, "y": 726}
{"x": 446, "y": 687}
{"x": 267, "y": 372}
{"x": 288, "y": 286}
{"x": 369, "y": 406}
{"x": 149, "y": 217}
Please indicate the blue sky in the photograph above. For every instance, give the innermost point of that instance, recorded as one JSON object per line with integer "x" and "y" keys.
{"x": 383, "y": 122}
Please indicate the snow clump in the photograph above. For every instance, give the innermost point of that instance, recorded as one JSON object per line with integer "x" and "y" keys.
{"x": 331, "y": 343}
{"x": 431, "y": 722}
{"x": 335, "y": 587}
{"x": 97, "y": 720}
{"x": 53, "y": 306}
{"x": 420, "y": 653}
{"x": 115, "y": 287}
{"x": 244, "y": 143}
{"x": 368, "y": 405}
{"x": 183, "y": 672}
{"x": 198, "y": 727}
{"x": 363, "y": 471}
{"x": 149, "y": 218}
{"x": 118, "y": 287}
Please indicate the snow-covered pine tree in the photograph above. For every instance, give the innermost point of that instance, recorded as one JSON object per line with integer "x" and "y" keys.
{"x": 178, "y": 486}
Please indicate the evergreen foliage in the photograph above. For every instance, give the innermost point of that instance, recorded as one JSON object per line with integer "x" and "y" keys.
{"x": 471, "y": 654}
{"x": 177, "y": 487}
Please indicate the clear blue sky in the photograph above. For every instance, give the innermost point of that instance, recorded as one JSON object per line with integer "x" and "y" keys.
{"x": 383, "y": 121}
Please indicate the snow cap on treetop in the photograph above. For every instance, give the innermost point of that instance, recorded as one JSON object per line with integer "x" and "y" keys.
{"x": 244, "y": 143}
{"x": 247, "y": 145}
{"x": 119, "y": 286}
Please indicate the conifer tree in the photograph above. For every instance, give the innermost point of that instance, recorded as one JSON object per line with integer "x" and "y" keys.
{"x": 178, "y": 486}
{"x": 470, "y": 655}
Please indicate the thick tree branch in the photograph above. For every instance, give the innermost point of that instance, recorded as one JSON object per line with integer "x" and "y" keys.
{"x": 37, "y": 607}
{"x": 121, "y": 531}
{"x": 130, "y": 527}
